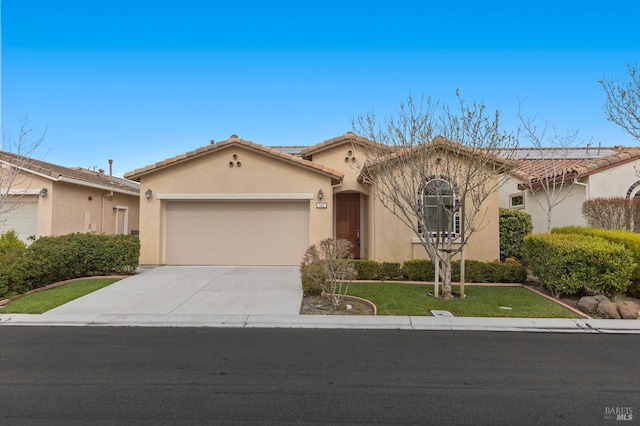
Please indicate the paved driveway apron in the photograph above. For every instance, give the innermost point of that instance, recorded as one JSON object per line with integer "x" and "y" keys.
{"x": 194, "y": 290}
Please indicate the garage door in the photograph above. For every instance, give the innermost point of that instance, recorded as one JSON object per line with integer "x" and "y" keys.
{"x": 236, "y": 232}
{"x": 21, "y": 216}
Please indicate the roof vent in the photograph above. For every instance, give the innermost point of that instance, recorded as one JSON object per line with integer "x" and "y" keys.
{"x": 212, "y": 142}
{"x": 234, "y": 136}
{"x": 349, "y": 133}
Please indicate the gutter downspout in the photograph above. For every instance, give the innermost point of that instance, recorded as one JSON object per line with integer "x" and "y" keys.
{"x": 586, "y": 187}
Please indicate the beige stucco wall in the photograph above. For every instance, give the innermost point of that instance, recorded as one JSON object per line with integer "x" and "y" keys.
{"x": 391, "y": 240}
{"x": 347, "y": 159}
{"x": 63, "y": 209}
{"x": 71, "y": 204}
{"x": 211, "y": 176}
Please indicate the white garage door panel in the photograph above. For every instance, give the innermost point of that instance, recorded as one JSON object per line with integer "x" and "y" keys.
{"x": 236, "y": 233}
{"x": 21, "y": 216}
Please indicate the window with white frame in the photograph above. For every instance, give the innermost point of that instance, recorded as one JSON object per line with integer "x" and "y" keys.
{"x": 516, "y": 200}
{"x": 440, "y": 208}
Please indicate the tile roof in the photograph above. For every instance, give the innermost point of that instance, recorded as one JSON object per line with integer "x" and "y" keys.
{"x": 235, "y": 140}
{"x": 441, "y": 142}
{"x": 75, "y": 175}
{"x": 536, "y": 170}
{"x": 348, "y": 137}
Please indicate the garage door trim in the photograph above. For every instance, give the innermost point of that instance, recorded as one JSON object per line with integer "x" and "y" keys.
{"x": 239, "y": 196}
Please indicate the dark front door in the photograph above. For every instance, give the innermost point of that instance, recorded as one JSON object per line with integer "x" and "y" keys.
{"x": 348, "y": 220}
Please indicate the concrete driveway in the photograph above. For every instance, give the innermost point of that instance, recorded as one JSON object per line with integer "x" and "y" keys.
{"x": 195, "y": 290}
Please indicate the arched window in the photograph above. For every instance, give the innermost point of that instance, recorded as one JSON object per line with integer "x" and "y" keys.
{"x": 440, "y": 208}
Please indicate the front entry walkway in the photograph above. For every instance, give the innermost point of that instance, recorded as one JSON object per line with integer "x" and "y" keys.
{"x": 195, "y": 290}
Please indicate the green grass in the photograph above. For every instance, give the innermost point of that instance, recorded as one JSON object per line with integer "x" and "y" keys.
{"x": 43, "y": 301}
{"x": 480, "y": 301}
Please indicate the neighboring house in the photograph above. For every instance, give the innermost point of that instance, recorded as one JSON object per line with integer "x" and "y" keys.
{"x": 236, "y": 202}
{"x": 48, "y": 199}
{"x": 595, "y": 173}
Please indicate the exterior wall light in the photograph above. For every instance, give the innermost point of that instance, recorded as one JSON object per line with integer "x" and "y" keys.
{"x": 320, "y": 194}
{"x": 43, "y": 192}
{"x": 147, "y": 194}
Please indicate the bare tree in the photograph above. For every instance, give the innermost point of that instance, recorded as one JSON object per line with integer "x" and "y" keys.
{"x": 433, "y": 168}
{"x": 622, "y": 105}
{"x": 15, "y": 155}
{"x": 550, "y": 176}
{"x": 332, "y": 270}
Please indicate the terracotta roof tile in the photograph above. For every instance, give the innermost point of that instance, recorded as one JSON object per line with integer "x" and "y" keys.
{"x": 537, "y": 170}
{"x": 348, "y": 137}
{"x": 78, "y": 175}
{"x": 234, "y": 139}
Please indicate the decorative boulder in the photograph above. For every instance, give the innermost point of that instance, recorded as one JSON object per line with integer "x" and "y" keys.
{"x": 628, "y": 310}
{"x": 588, "y": 304}
{"x": 608, "y": 309}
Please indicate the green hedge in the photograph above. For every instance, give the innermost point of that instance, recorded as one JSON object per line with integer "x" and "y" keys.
{"x": 566, "y": 263}
{"x": 475, "y": 271}
{"x": 418, "y": 270}
{"x": 514, "y": 225}
{"x": 52, "y": 259}
{"x": 367, "y": 269}
{"x": 630, "y": 240}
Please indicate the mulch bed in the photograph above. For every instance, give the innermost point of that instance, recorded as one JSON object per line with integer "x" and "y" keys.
{"x": 318, "y": 305}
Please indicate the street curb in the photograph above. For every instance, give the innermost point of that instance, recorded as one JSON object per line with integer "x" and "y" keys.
{"x": 422, "y": 323}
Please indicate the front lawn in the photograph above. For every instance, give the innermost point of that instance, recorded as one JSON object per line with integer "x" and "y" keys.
{"x": 45, "y": 300}
{"x": 480, "y": 301}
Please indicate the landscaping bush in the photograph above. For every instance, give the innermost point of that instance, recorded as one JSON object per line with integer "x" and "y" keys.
{"x": 52, "y": 259}
{"x": 612, "y": 213}
{"x": 514, "y": 225}
{"x": 9, "y": 240}
{"x": 312, "y": 277}
{"x": 489, "y": 272}
{"x": 566, "y": 263}
{"x": 391, "y": 270}
{"x": 474, "y": 271}
{"x": 630, "y": 240}
{"x": 14, "y": 270}
{"x": 367, "y": 269}
{"x": 418, "y": 270}
{"x": 329, "y": 266}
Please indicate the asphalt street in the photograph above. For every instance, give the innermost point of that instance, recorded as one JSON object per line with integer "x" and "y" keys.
{"x": 106, "y": 375}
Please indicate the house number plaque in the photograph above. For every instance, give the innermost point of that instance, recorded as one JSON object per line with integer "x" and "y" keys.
{"x": 321, "y": 205}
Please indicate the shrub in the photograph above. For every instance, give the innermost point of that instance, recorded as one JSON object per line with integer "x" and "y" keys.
{"x": 52, "y": 259}
{"x": 489, "y": 272}
{"x": 367, "y": 269}
{"x": 612, "y": 213}
{"x": 630, "y": 240}
{"x": 312, "y": 277}
{"x": 514, "y": 225}
{"x": 474, "y": 271}
{"x": 418, "y": 270}
{"x": 9, "y": 240}
{"x": 566, "y": 263}
{"x": 14, "y": 270}
{"x": 327, "y": 265}
{"x": 391, "y": 270}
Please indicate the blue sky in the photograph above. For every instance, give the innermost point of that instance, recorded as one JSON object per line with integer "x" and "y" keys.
{"x": 139, "y": 81}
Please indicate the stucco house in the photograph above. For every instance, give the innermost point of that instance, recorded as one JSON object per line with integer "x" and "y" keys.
{"x": 236, "y": 202}
{"x": 42, "y": 199}
{"x": 578, "y": 174}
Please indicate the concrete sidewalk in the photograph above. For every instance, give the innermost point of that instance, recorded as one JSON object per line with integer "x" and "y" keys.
{"x": 328, "y": 321}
